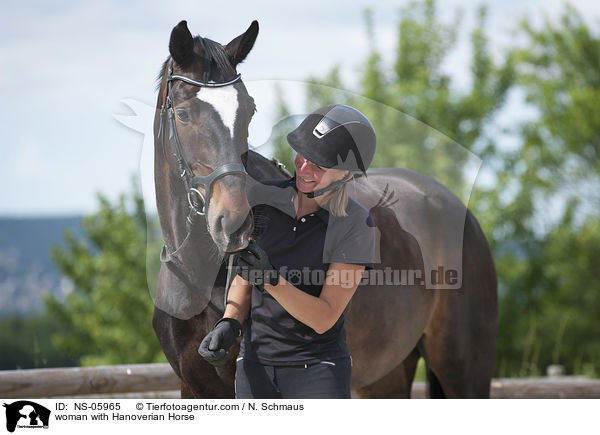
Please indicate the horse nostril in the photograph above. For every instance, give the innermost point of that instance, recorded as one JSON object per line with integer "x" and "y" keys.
{"x": 219, "y": 222}
{"x": 229, "y": 223}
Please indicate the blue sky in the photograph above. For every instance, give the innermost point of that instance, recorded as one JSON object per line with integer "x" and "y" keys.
{"x": 66, "y": 66}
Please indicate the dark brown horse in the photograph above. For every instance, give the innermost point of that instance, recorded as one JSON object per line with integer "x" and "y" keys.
{"x": 433, "y": 293}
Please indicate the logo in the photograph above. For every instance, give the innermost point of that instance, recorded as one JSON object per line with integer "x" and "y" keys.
{"x": 26, "y": 414}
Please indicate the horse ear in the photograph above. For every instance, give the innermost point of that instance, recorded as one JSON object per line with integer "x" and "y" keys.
{"x": 181, "y": 45}
{"x": 238, "y": 48}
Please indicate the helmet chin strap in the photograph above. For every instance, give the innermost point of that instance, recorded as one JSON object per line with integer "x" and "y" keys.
{"x": 333, "y": 186}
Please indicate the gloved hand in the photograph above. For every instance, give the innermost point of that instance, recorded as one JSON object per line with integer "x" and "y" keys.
{"x": 214, "y": 348}
{"x": 254, "y": 266}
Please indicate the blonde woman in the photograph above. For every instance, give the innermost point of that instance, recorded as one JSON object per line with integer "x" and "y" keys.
{"x": 295, "y": 280}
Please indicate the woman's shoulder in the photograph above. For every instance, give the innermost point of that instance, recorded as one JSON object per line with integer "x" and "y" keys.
{"x": 356, "y": 211}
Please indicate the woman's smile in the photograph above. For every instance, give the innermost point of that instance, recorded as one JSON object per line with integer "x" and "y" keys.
{"x": 303, "y": 183}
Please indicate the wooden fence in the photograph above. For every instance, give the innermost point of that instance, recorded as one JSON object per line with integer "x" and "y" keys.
{"x": 159, "y": 381}
{"x": 117, "y": 381}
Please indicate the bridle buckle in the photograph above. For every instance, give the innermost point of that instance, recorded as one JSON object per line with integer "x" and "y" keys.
{"x": 200, "y": 211}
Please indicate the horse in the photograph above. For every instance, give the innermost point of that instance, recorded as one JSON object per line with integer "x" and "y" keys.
{"x": 202, "y": 170}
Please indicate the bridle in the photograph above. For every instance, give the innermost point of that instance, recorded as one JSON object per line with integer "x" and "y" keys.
{"x": 198, "y": 203}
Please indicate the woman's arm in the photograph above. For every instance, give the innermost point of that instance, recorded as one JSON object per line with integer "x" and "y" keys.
{"x": 238, "y": 299}
{"x": 320, "y": 313}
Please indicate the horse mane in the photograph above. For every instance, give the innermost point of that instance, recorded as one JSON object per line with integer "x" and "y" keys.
{"x": 213, "y": 56}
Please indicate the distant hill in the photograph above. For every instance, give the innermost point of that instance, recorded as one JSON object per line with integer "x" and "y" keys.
{"x": 26, "y": 269}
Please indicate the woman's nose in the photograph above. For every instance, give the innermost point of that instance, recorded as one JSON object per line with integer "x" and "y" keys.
{"x": 303, "y": 165}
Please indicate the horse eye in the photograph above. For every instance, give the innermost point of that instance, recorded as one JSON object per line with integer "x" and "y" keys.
{"x": 182, "y": 115}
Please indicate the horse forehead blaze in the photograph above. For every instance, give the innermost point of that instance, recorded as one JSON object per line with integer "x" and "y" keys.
{"x": 225, "y": 102}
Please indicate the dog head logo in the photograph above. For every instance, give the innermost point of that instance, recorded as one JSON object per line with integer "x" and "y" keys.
{"x": 26, "y": 414}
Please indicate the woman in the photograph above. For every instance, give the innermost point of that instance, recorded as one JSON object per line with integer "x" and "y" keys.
{"x": 294, "y": 282}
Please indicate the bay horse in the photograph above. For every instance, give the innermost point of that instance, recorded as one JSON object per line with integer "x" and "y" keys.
{"x": 202, "y": 171}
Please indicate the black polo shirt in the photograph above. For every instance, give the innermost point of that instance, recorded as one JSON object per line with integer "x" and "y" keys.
{"x": 302, "y": 249}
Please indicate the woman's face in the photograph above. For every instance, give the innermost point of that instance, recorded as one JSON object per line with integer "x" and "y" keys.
{"x": 311, "y": 177}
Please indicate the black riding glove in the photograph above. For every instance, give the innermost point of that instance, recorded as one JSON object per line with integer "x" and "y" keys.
{"x": 214, "y": 348}
{"x": 254, "y": 266}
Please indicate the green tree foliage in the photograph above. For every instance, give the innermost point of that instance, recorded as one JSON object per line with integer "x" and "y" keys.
{"x": 423, "y": 122}
{"x": 25, "y": 341}
{"x": 549, "y": 226}
{"x": 561, "y": 73}
{"x": 108, "y": 316}
{"x": 284, "y": 124}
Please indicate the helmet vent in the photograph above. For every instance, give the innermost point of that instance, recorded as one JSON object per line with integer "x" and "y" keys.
{"x": 324, "y": 126}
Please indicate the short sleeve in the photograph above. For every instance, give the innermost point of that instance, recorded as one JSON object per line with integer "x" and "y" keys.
{"x": 351, "y": 240}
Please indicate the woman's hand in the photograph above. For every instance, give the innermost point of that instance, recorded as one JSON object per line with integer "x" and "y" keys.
{"x": 214, "y": 348}
{"x": 254, "y": 266}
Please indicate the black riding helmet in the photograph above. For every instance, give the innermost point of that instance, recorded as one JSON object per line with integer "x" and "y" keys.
{"x": 335, "y": 136}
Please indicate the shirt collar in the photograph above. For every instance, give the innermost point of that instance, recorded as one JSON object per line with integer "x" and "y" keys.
{"x": 322, "y": 213}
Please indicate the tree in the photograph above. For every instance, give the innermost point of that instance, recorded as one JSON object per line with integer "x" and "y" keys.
{"x": 25, "y": 340}
{"x": 284, "y": 124}
{"x": 109, "y": 313}
{"x": 423, "y": 122}
{"x": 548, "y": 227}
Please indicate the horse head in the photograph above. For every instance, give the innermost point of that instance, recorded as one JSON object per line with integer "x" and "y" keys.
{"x": 203, "y": 121}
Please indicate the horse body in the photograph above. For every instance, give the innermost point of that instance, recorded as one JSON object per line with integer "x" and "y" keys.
{"x": 389, "y": 327}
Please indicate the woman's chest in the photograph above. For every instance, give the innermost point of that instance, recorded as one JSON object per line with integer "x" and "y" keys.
{"x": 296, "y": 245}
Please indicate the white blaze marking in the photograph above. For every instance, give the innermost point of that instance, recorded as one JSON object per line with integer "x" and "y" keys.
{"x": 225, "y": 102}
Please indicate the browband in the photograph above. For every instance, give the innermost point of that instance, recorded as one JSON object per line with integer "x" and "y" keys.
{"x": 173, "y": 77}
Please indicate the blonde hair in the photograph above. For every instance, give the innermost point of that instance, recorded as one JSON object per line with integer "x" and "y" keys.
{"x": 337, "y": 201}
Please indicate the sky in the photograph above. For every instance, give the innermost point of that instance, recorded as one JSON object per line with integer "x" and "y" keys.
{"x": 68, "y": 67}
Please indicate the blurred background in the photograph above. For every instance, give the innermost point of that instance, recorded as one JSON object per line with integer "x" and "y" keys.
{"x": 514, "y": 86}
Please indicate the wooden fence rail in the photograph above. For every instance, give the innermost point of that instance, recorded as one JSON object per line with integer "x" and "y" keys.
{"x": 158, "y": 380}
{"x": 78, "y": 381}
